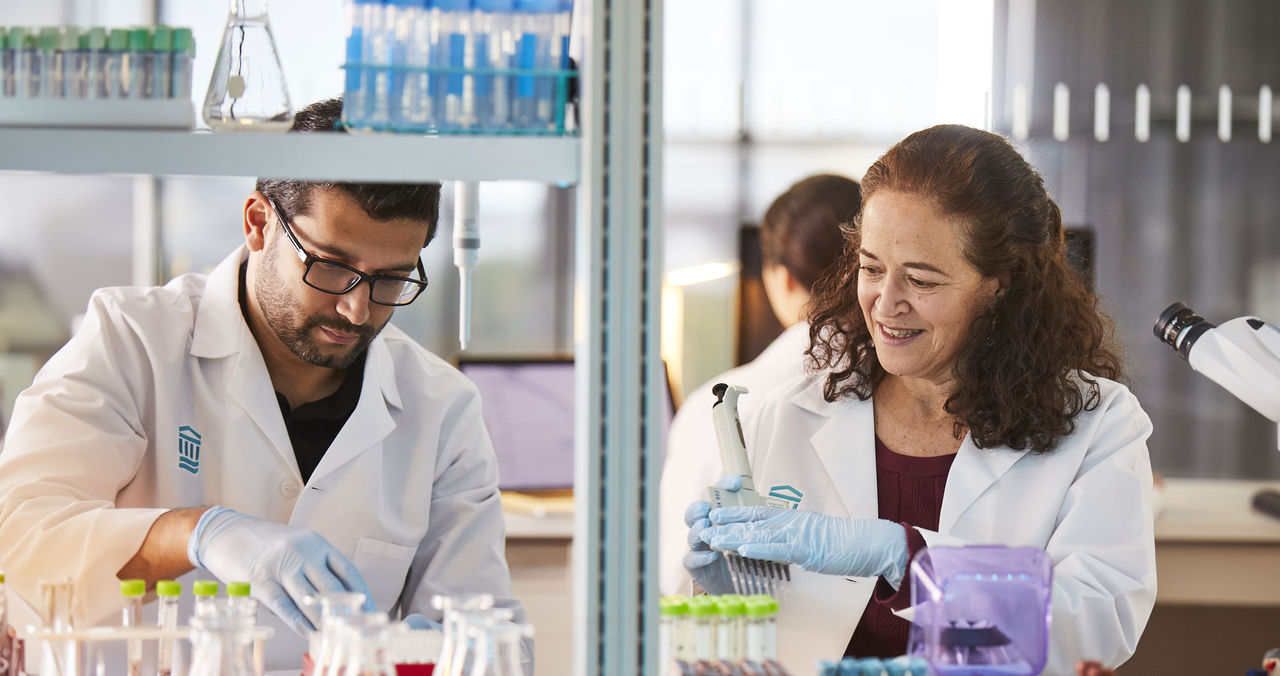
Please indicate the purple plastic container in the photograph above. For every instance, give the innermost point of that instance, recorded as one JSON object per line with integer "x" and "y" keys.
{"x": 981, "y": 610}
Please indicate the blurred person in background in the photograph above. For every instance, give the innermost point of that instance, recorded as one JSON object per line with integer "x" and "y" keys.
{"x": 799, "y": 238}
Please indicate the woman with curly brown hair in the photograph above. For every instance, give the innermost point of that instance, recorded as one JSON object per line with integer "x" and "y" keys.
{"x": 962, "y": 391}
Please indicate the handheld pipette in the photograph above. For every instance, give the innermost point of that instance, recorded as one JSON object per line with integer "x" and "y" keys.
{"x": 466, "y": 249}
{"x": 749, "y": 576}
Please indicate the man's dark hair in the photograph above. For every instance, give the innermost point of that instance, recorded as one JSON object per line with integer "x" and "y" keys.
{"x": 382, "y": 201}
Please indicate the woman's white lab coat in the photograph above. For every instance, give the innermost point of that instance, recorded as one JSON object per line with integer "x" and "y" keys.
{"x": 1087, "y": 504}
{"x": 693, "y": 456}
{"x": 162, "y": 400}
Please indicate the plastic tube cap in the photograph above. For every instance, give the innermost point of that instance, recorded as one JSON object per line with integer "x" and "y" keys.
{"x": 703, "y": 606}
{"x": 118, "y": 41}
{"x": 732, "y": 605}
{"x": 168, "y": 588}
{"x": 673, "y": 605}
{"x": 237, "y": 589}
{"x": 1, "y": 578}
{"x": 184, "y": 41}
{"x": 162, "y": 41}
{"x": 17, "y": 36}
{"x": 97, "y": 38}
{"x": 133, "y": 587}
{"x": 50, "y": 38}
{"x": 71, "y": 38}
{"x": 204, "y": 588}
{"x": 139, "y": 40}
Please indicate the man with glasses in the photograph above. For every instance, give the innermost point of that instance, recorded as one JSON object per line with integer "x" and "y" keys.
{"x": 264, "y": 424}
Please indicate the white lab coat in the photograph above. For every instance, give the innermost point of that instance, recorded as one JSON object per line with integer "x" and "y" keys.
{"x": 408, "y": 489}
{"x": 1087, "y": 504}
{"x": 693, "y": 456}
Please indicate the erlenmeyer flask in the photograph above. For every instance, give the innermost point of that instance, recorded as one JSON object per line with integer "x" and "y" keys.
{"x": 454, "y": 632}
{"x": 247, "y": 90}
{"x": 498, "y": 649}
{"x": 471, "y": 625}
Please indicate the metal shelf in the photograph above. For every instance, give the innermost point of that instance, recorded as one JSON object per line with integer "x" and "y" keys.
{"x": 334, "y": 157}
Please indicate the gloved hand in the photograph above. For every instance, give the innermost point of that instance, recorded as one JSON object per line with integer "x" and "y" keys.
{"x": 418, "y": 621}
{"x": 708, "y": 568}
{"x": 815, "y": 542}
{"x": 281, "y": 563}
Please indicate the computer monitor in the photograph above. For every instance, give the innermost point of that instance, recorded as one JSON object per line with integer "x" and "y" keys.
{"x": 527, "y": 405}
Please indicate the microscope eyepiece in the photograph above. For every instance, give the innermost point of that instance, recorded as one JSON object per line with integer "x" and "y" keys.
{"x": 1180, "y": 327}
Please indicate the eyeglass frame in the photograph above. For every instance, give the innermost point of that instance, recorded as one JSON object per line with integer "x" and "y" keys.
{"x": 309, "y": 259}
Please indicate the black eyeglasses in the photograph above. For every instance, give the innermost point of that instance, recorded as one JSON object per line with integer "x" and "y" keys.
{"x": 336, "y": 278}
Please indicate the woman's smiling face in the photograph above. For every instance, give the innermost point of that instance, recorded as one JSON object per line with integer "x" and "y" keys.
{"x": 918, "y": 293}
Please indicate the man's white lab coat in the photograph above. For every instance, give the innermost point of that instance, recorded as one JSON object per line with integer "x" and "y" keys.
{"x": 162, "y": 400}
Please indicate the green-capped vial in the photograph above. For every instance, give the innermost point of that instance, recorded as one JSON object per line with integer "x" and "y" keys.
{"x": 139, "y": 40}
{"x": 118, "y": 40}
{"x": 673, "y": 605}
{"x": 168, "y": 588}
{"x": 97, "y": 38}
{"x": 50, "y": 38}
{"x": 204, "y": 588}
{"x": 133, "y": 587}
{"x": 237, "y": 589}
{"x": 17, "y": 37}
{"x": 162, "y": 39}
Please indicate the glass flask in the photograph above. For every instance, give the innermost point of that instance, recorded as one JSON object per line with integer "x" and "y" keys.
{"x": 365, "y": 646}
{"x": 498, "y": 649}
{"x": 454, "y": 632}
{"x": 57, "y": 657}
{"x": 471, "y": 625}
{"x": 247, "y": 90}
{"x": 335, "y": 609}
{"x": 221, "y": 645}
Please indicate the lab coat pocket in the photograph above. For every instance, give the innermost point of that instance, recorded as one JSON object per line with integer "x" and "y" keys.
{"x": 384, "y": 566}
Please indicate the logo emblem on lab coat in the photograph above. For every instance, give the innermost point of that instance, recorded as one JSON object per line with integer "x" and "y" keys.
{"x": 188, "y": 449}
{"x": 786, "y": 497}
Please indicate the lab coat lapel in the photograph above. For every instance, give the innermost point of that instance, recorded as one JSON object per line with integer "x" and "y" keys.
{"x": 221, "y": 333}
{"x": 846, "y": 446}
{"x": 371, "y": 422}
{"x": 973, "y": 472}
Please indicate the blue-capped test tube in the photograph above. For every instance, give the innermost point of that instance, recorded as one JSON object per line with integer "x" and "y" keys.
{"x": 454, "y": 106}
{"x": 184, "y": 53}
{"x": 532, "y": 104}
{"x": 400, "y": 16}
{"x": 494, "y": 45}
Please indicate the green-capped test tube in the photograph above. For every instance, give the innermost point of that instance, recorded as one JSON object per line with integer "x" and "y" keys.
{"x": 49, "y": 73}
{"x": 136, "y": 60}
{"x": 21, "y": 51}
{"x": 66, "y": 58}
{"x": 6, "y": 64}
{"x": 673, "y": 615}
{"x": 184, "y": 53}
{"x": 113, "y": 69}
{"x": 762, "y": 627}
{"x": 731, "y": 636}
{"x": 206, "y": 593}
{"x": 169, "y": 593}
{"x": 133, "y": 591}
{"x": 95, "y": 54}
{"x": 159, "y": 71}
{"x": 704, "y": 614}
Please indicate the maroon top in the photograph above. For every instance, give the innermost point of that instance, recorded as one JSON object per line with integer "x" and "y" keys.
{"x": 910, "y": 492}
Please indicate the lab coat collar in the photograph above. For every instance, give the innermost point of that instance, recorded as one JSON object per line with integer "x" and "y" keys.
{"x": 845, "y": 444}
{"x": 220, "y": 326}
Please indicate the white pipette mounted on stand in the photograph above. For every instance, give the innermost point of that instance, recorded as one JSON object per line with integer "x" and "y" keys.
{"x": 466, "y": 249}
{"x": 749, "y": 576}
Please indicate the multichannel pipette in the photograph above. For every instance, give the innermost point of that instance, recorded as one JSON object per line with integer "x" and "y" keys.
{"x": 749, "y": 576}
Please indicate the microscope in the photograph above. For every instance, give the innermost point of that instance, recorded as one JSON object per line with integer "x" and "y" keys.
{"x": 1242, "y": 355}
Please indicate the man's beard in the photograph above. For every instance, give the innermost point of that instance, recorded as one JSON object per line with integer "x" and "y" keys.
{"x": 297, "y": 334}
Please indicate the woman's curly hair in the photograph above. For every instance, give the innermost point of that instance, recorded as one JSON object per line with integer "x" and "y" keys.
{"x": 1027, "y": 368}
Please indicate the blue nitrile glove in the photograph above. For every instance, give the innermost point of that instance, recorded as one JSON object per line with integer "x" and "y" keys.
{"x": 816, "y": 542}
{"x": 708, "y": 568}
{"x": 281, "y": 563}
{"x": 418, "y": 621}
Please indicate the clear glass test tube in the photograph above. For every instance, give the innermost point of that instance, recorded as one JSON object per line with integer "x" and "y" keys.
{"x": 184, "y": 53}
{"x": 136, "y": 64}
{"x": 169, "y": 594}
{"x": 159, "y": 69}
{"x": 95, "y": 56}
{"x": 133, "y": 591}
{"x": 113, "y": 76}
{"x": 50, "y": 56}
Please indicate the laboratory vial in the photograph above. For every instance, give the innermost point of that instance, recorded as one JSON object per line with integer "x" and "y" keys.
{"x": 247, "y": 91}
{"x": 731, "y": 635}
{"x": 401, "y": 20}
{"x": 452, "y": 91}
{"x": 494, "y": 45}
{"x": 206, "y": 598}
{"x": 158, "y": 78}
{"x": 94, "y": 48}
{"x": 50, "y": 58}
{"x": 136, "y": 60}
{"x": 704, "y": 616}
{"x": 672, "y": 611}
{"x": 376, "y": 57}
{"x": 761, "y": 618}
{"x": 25, "y": 64}
{"x": 363, "y": 16}
{"x": 68, "y": 63}
{"x": 133, "y": 591}
{"x": 113, "y": 80}
{"x": 169, "y": 594}
{"x": 56, "y": 599}
{"x": 184, "y": 54}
